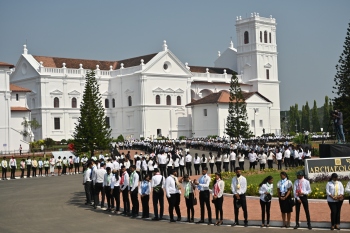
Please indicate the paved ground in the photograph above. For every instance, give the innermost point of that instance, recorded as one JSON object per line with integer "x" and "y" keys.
{"x": 55, "y": 204}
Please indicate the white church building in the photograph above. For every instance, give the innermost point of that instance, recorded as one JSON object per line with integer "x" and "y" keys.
{"x": 157, "y": 94}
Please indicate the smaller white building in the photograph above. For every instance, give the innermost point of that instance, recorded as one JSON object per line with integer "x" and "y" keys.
{"x": 209, "y": 114}
{"x": 14, "y": 108}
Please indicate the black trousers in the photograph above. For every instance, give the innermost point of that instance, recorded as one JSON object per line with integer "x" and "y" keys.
{"x": 196, "y": 169}
{"x": 305, "y": 203}
{"x": 269, "y": 163}
{"x": 97, "y": 190}
{"x": 126, "y": 201}
{"x": 64, "y": 170}
{"x": 174, "y": 202}
{"x": 232, "y": 165}
{"x": 189, "y": 206}
{"x": 162, "y": 169}
{"x": 335, "y": 208}
{"x": 3, "y": 172}
{"x": 218, "y": 166}
{"x": 189, "y": 168}
{"x": 203, "y": 165}
{"x": 241, "y": 165}
{"x": 169, "y": 169}
{"x": 279, "y": 164}
{"x": 134, "y": 201}
{"x": 34, "y": 172}
{"x": 287, "y": 162}
{"x": 177, "y": 171}
{"x": 87, "y": 187}
{"x": 218, "y": 207}
{"x": 22, "y": 172}
{"x": 204, "y": 198}
{"x": 145, "y": 206}
{"x": 29, "y": 168}
{"x": 13, "y": 170}
{"x": 244, "y": 207}
{"x": 211, "y": 165}
{"x": 40, "y": 171}
{"x": 291, "y": 161}
{"x": 182, "y": 170}
{"x": 251, "y": 165}
{"x": 262, "y": 166}
{"x": 46, "y": 171}
{"x": 76, "y": 167}
{"x": 158, "y": 197}
{"x": 226, "y": 164}
{"x": 265, "y": 207}
{"x": 108, "y": 195}
{"x": 116, "y": 198}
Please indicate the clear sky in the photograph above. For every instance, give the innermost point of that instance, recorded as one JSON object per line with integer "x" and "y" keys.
{"x": 310, "y": 34}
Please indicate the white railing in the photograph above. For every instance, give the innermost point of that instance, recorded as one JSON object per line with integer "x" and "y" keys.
{"x": 51, "y": 70}
{"x": 71, "y": 72}
{"x": 125, "y": 71}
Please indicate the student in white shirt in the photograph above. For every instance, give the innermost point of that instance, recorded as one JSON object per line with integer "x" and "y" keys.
{"x": 252, "y": 159}
{"x": 98, "y": 181}
{"x": 211, "y": 162}
{"x": 13, "y": 166}
{"x": 188, "y": 187}
{"x": 115, "y": 188}
{"x": 262, "y": 160}
{"x": 266, "y": 192}
{"x": 279, "y": 158}
{"x": 22, "y": 167}
{"x": 177, "y": 163}
{"x": 218, "y": 162}
{"x": 133, "y": 189}
{"x": 124, "y": 188}
{"x": 29, "y": 165}
{"x": 144, "y": 191}
{"x": 335, "y": 198}
{"x": 204, "y": 161}
{"x": 162, "y": 162}
{"x": 144, "y": 167}
{"x": 241, "y": 159}
{"x": 287, "y": 157}
{"x": 204, "y": 195}
{"x": 4, "y": 168}
{"x": 87, "y": 182}
{"x": 40, "y": 166}
{"x": 301, "y": 190}
{"x": 157, "y": 184}
{"x": 218, "y": 190}
{"x": 107, "y": 181}
{"x": 188, "y": 160}
{"x": 232, "y": 160}
{"x": 169, "y": 165}
{"x": 226, "y": 161}
{"x": 172, "y": 188}
{"x": 76, "y": 164}
{"x": 182, "y": 164}
{"x": 270, "y": 156}
{"x": 197, "y": 163}
{"x": 46, "y": 166}
{"x": 150, "y": 165}
{"x": 284, "y": 191}
{"x": 239, "y": 188}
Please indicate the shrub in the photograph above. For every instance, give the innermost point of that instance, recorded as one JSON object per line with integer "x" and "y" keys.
{"x": 63, "y": 141}
{"x": 182, "y": 138}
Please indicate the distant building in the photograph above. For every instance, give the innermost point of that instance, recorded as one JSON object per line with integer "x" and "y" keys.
{"x": 146, "y": 96}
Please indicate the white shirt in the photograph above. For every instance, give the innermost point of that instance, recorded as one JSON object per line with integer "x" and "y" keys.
{"x": 204, "y": 182}
{"x": 197, "y": 160}
{"x": 150, "y": 165}
{"x": 98, "y": 176}
{"x": 232, "y": 156}
{"x": 252, "y": 157}
{"x": 226, "y": 158}
{"x": 330, "y": 190}
{"x": 101, "y": 156}
{"x": 262, "y": 158}
{"x": 115, "y": 182}
{"x": 170, "y": 186}
{"x": 241, "y": 157}
{"x": 138, "y": 165}
{"x": 13, "y": 163}
{"x": 76, "y": 159}
{"x": 145, "y": 183}
{"x": 305, "y": 187}
{"x": 162, "y": 159}
{"x": 211, "y": 159}
{"x": 287, "y": 153}
{"x": 29, "y": 162}
{"x": 279, "y": 156}
{"x": 182, "y": 161}
{"x": 40, "y": 163}
{"x": 87, "y": 176}
{"x": 135, "y": 181}
{"x": 265, "y": 188}
{"x": 144, "y": 165}
{"x": 270, "y": 157}
{"x": 125, "y": 185}
{"x": 218, "y": 159}
{"x": 176, "y": 162}
{"x": 116, "y": 165}
{"x": 156, "y": 179}
{"x": 242, "y": 182}
{"x": 107, "y": 183}
{"x": 188, "y": 158}
{"x": 127, "y": 164}
{"x": 4, "y": 163}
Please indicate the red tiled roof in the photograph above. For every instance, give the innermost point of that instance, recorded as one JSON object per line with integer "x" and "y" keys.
{"x": 57, "y": 62}
{"x": 19, "y": 109}
{"x": 213, "y": 70}
{"x": 223, "y": 97}
{"x": 6, "y": 64}
{"x": 16, "y": 88}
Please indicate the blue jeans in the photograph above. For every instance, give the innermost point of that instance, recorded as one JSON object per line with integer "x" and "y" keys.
{"x": 340, "y": 133}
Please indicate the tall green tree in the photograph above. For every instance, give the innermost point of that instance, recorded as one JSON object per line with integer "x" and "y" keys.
{"x": 91, "y": 131}
{"x": 326, "y": 114}
{"x": 307, "y": 117}
{"x": 342, "y": 83}
{"x": 315, "y": 118}
{"x": 303, "y": 118}
{"x": 297, "y": 117}
{"x": 292, "y": 119}
{"x": 237, "y": 125}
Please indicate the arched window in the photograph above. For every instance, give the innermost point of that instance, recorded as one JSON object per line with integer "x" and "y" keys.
{"x": 260, "y": 36}
{"x": 56, "y": 102}
{"x": 74, "y": 102}
{"x": 17, "y": 97}
{"x": 129, "y": 101}
{"x": 265, "y": 36}
{"x": 106, "y": 103}
{"x": 157, "y": 99}
{"x": 113, "y": 103}
{"x": 246, "y": 37}
{"x": 270, "y": 37}
{"x": 267, "y": 74}
{"x": 178, "y": 100}
{"x": 168, "y": 100}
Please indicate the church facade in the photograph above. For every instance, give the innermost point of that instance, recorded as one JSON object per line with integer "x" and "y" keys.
{"x": 151, "y": 95}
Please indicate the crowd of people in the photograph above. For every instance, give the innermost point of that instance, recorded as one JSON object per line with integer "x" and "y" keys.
{"x": 125, "y": 185}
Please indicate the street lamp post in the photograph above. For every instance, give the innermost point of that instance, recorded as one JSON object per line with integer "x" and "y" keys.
{"x": 255, "y": 111}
